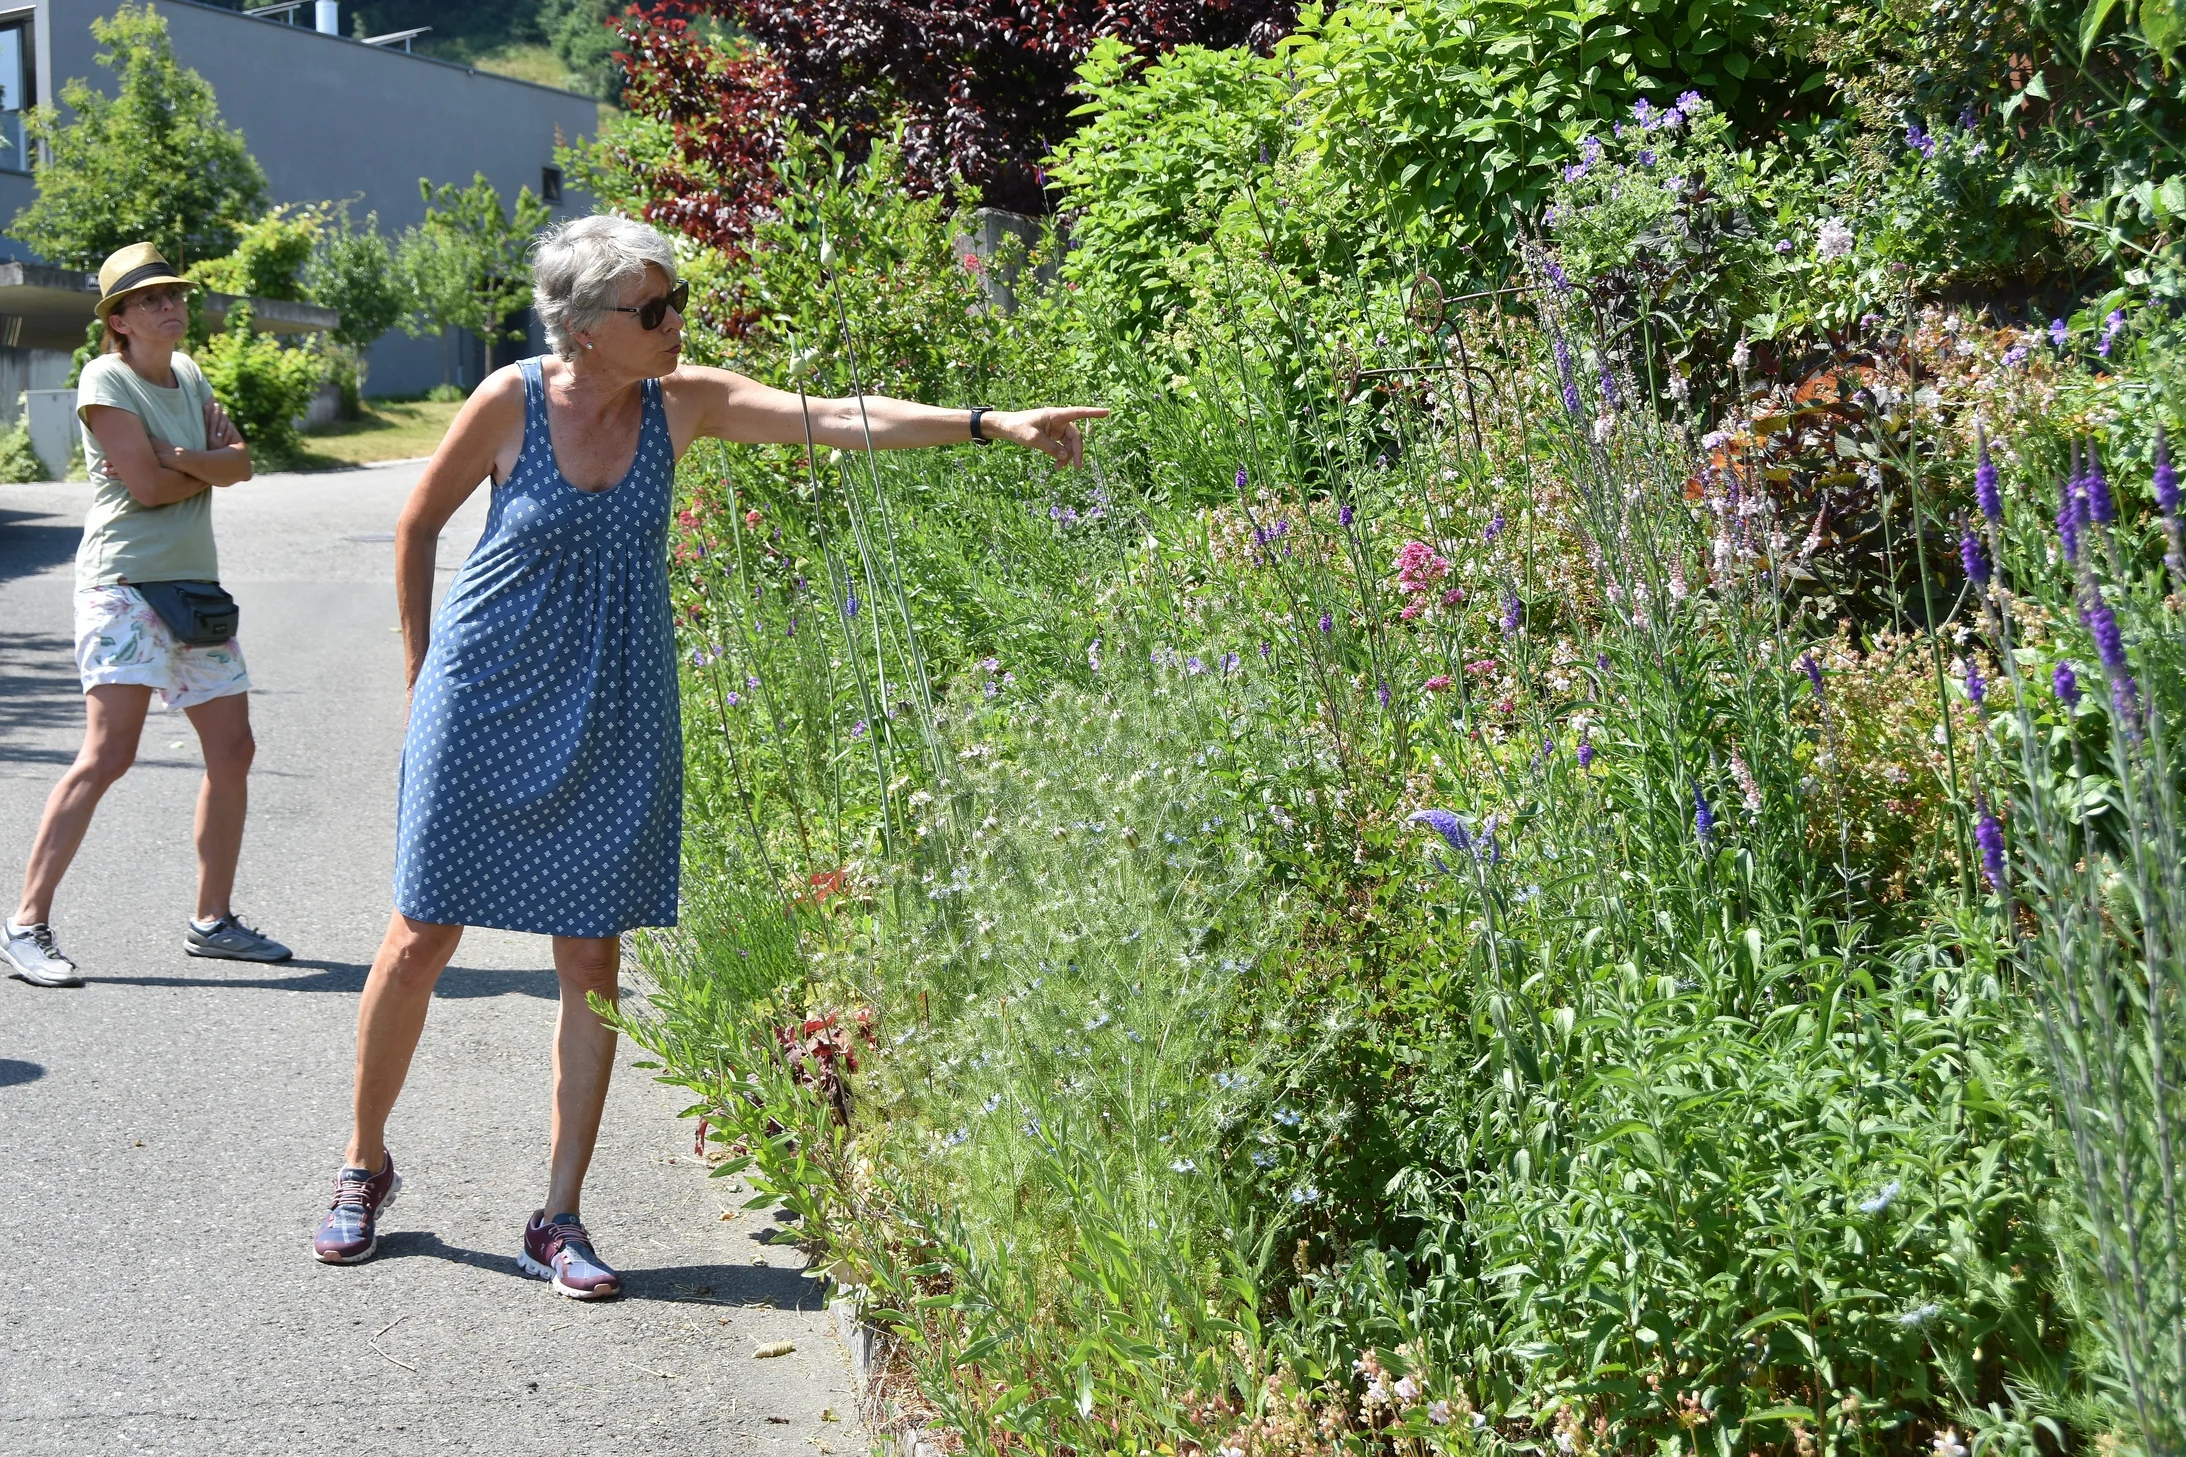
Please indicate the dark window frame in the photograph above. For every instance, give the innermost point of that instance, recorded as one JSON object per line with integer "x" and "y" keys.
{"x": 25, "y": 22}
{"x": 550, "y": 184}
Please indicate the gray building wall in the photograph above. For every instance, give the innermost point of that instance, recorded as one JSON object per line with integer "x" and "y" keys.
{"x": 330, "y": 119}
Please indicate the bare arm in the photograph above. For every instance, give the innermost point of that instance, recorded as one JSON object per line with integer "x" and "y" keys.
{"x": 728, "y": 406}
{"x": 476, "y": 447}
{"x": 224, "y": 461}
{"x": 134, "y": 459}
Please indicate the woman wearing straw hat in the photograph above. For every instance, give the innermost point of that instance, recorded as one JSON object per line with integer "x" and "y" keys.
{"x": 150, "y": 616}
{"x": 542, "y": 773}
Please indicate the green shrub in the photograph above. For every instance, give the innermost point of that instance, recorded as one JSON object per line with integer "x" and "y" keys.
{"x": 1166, "y": 149}
{"x": 264, "y": 385}
{"x": 1450, "y": 117}
{"x": 18, "y": 462}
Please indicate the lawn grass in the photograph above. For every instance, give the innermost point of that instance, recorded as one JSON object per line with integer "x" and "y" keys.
{"x": 389, "y": 430}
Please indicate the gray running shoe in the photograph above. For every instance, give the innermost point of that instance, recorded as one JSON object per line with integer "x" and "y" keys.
{"x": 33, "y": 956}
{"x": 231, "y": 940}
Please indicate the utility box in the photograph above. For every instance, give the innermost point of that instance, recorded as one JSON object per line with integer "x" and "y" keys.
{"x": 52, "y": 418}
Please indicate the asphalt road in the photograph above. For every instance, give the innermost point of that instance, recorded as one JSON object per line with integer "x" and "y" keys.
{"x": 169, "y": 1133}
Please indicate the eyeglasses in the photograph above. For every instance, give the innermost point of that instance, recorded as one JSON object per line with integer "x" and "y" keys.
{"x": 156, "y": 300}
{"x": 654, "y": 310}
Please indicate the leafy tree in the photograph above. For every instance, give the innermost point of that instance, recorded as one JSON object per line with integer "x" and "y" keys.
{"x": 464, "y": 265}
{"x": 353, "y": 271}
{"x": 582, "y": 33}
{"x": 268, "y": 259}
{"x": 152, "y": 162}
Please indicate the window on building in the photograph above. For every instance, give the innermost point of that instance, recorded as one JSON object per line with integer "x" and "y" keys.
{"x": 18, "y": 70}
{"x": 550, "y": 184}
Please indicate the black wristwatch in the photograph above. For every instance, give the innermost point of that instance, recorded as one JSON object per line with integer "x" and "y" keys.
{"x": 977, "y": 438}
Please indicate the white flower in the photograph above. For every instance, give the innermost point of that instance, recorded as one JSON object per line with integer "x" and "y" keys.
{"x": 1438, "y": 1412}
{"x": 1946, "y": 1443}
{"x": 1407, "y": 1390}
{"x": 1378, "y": 1395}
{"x": 1679, "y": 386}
{"x": 1884, "y": 1198}
{"x": 1833, "y": 239}
{"x": 1182, "y": 1166}
{"x": 1920, "y": 1315}
{"x": 1741, "y": 356}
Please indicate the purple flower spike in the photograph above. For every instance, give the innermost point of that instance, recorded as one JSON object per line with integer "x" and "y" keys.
{"x": 1990, "y": 836}
{"x": 1514, "y": 613}
{"x": 1985, "y": 492}
{"x": 2069, "y": 510}
{"x": 2067, "y": 685}
{"x": 2109, "y": 642}
{"x": 850, "y": 605}
{"x": 1813, "y": 672}
{"x": 1564, "y": 371}
{"x": 2125, "y": 700}
{"x": 1328, "y": 623}
{"x": 1445, "y": 824}
{"x": 1495, "y": 526}
{"x": 1601, "y": 661}
{"x": 2095, "y": 486}
{"x": 2166, "y": 479}
{"x": 1382, "y": 693}
{"x": 1556, "y": 275}
{"x": 2058, "y": 333}
{"x": 1703, "y": 817}
{"x": 1976, "y": 560}
{"x": 1343, "y": 515}
{"x": 1586, "y": 754}
{"x": 1977, "y": 687}
{"x": 1240, "y": 478}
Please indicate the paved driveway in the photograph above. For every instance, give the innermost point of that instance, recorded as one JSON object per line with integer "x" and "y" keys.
{"x": 168, "y": 1134}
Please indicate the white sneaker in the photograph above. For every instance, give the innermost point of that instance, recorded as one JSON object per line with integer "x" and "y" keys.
{"x": 36, "y": 959}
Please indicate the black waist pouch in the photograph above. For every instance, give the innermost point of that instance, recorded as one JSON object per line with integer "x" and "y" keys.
{"x": 199, "y": 614}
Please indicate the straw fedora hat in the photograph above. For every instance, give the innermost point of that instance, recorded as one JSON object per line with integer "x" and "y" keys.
{"x": 130, "y": 270}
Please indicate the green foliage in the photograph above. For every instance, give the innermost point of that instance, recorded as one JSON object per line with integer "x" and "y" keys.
{"x": 464, "y": 265}
{"x": 583, "y": 37}
{"x": 151, "y": 163}
{"x": 264, "y": 384}
{"x": 1166, "y": 149}
{"x": 353, "y": 271}
{"x": 1451, "y": 116}
{"x": 19, "y": 463}
{"x": 269, "y": 257}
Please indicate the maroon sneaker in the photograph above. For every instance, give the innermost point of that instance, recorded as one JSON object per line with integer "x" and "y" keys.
{"x": 350, "y": 1232}
{"x": 560, "y": 1250}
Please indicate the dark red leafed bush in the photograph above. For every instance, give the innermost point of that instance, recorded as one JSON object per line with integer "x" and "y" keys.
{"x": 980, "y": 87}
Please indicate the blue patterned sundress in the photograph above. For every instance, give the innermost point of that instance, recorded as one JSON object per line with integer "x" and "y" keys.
{"x": 542, "y": 775}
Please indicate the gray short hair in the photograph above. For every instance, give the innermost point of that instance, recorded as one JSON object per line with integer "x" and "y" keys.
{"x": 577, "y": 267}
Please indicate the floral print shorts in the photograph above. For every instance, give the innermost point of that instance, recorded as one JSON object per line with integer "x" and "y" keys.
{"x": 120, "y": 639}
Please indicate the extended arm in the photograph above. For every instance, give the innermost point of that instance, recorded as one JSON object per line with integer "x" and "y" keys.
{"x": 468, "y": 454}
{"x": 729, "y": 406}
{"x": 134, "y": 459}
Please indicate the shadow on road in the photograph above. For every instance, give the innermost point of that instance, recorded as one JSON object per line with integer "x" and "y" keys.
{"x": 15, "y": 1070}
{"x": 44, "y": 693}
{"x": 748, "y": 1286}
{"x": 348, "y": 976}
{"x": 31, "y": 541}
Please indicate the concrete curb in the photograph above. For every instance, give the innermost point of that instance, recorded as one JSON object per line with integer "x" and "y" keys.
{"x": 868, "y": 1349}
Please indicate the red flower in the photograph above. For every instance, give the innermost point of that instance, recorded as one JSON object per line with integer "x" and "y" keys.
{"x": 1439, "y": 683}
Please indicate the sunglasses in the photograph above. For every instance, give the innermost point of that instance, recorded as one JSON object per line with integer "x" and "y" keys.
{"x": 156, "y": 300}
{"x": 653, "y": 311}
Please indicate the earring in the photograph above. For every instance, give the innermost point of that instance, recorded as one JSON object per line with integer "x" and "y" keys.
{"x": 588, "y": 346}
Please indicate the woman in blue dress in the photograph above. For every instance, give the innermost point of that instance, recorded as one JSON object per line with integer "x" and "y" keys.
{"x": 542, "y": 773}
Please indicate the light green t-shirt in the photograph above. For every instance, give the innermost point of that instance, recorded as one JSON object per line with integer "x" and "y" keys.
{"x": 122, "y": 540}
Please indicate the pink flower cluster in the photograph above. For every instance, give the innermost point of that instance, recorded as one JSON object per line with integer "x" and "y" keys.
{"x": 1419, "y": 569}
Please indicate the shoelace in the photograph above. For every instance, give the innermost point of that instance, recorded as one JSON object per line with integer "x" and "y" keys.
{"x": 352, "y": 1194}
{"x": 562, "y": 1234}
{"x": 41, "y": 936}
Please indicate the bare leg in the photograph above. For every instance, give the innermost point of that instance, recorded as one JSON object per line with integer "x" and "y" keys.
{"x": 113, "y": 718}
{"x": 390, "y": 1019}
{"x": 223, "y": 733}
{"x": 584, "y": 1057}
